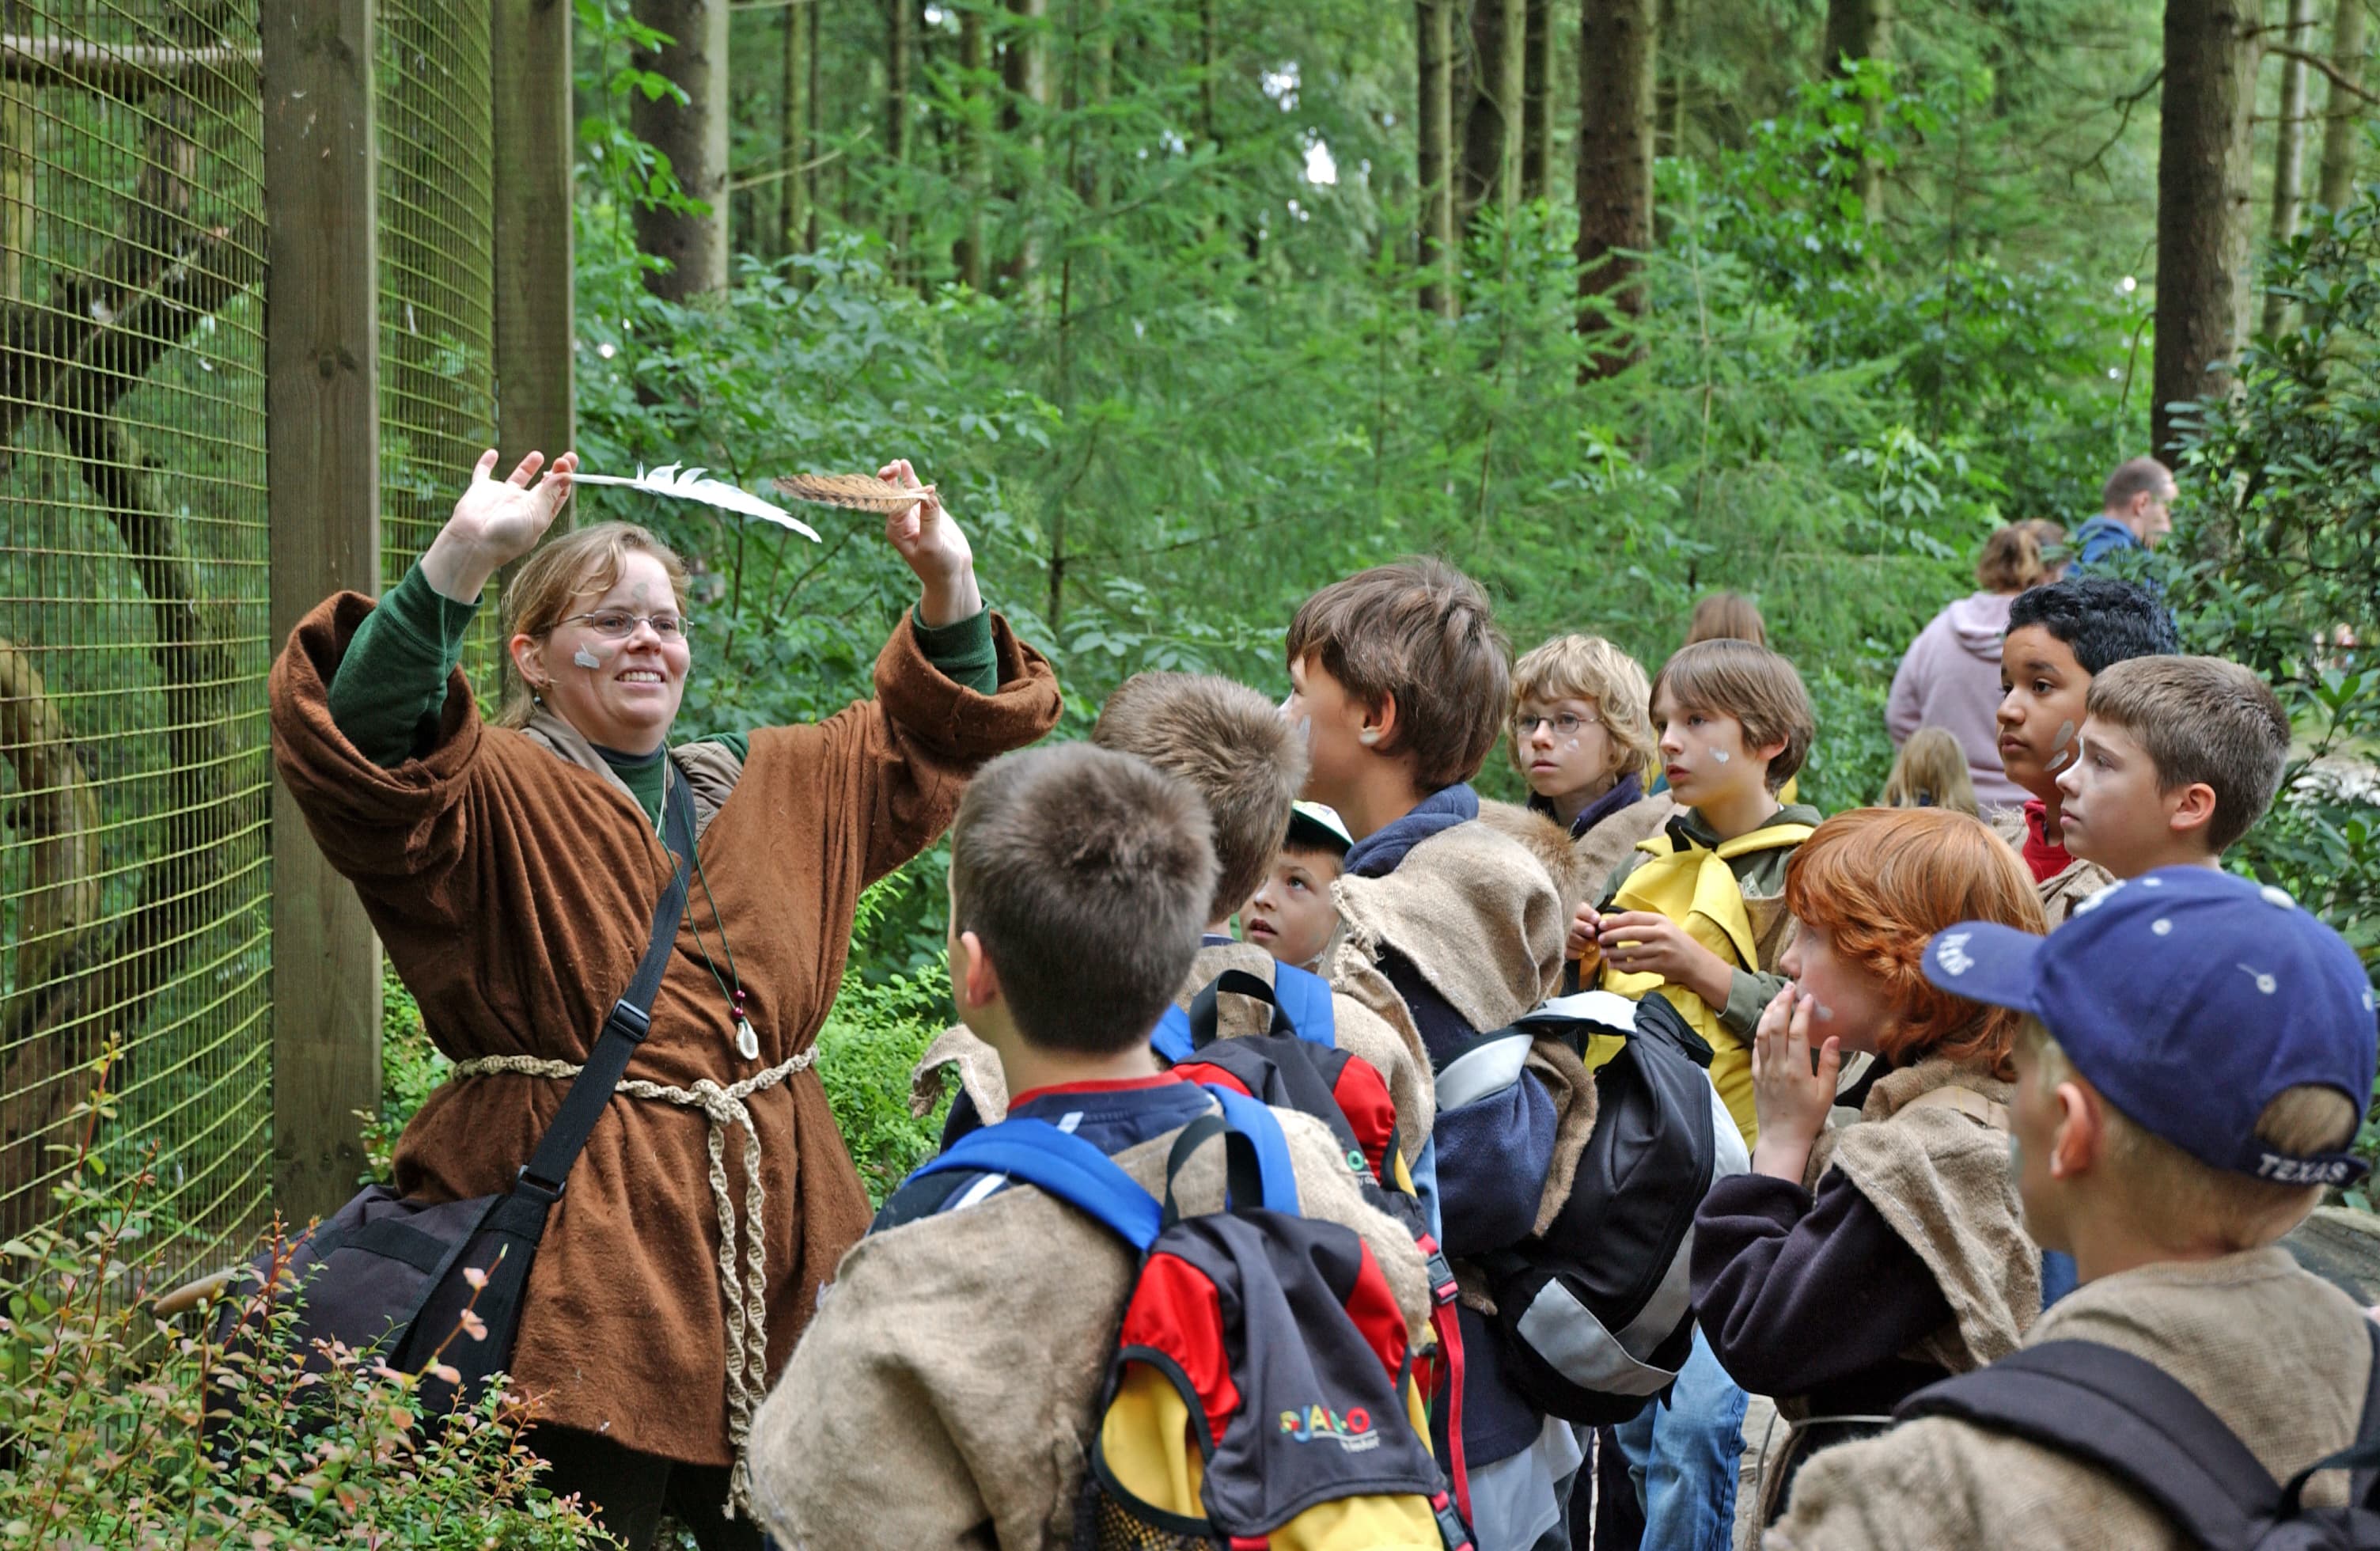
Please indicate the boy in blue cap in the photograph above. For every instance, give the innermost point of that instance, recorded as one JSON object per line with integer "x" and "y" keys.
{"x": 2197, "y": 1055}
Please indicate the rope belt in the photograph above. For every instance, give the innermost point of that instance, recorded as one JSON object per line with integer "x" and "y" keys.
{"x": 743, "y": 1286}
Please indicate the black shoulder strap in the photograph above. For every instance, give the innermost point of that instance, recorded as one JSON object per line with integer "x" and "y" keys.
{"x": 630, "y": 1019}
{"x": 2362, "y": 1457}
{"x": 1206, "y": 1017}
{"x": 2126, "y": 1416}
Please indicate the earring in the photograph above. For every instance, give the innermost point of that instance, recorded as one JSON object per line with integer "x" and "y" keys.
{"x": 1369, "y": 736}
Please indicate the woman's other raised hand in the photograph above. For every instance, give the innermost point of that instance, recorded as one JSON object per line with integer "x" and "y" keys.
{"x": 496, "y": 523}
{"x": 929, "y": 539}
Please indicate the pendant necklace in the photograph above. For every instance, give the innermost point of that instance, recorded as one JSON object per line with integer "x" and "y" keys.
{"x": 730, "y": 985}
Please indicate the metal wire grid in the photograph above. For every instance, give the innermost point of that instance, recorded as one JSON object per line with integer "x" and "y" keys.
{"x": 437, "y": 247}
{"x": 135, "y": 869}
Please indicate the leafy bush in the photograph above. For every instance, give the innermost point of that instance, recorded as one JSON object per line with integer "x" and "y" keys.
{"x": 120, "y": 1431}
{"x": 871, "y": 1040}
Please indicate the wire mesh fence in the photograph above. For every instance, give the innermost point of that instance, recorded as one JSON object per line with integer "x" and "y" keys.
{"x": 136, "y": 862}
{"x": 437, "y": 283}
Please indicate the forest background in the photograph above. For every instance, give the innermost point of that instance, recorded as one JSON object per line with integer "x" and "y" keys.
{"x": 1191, "y": 306}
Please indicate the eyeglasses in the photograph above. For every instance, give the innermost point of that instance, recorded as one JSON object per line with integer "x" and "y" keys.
{"x": 618, "y": 624}
{"x": 1564, "y": 723}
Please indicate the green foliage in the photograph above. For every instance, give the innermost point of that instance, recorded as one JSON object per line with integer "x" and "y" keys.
{"x": 871, "y": 1040}
{"x": 120, "y": 1431}
{"x": 410, "y": 1070}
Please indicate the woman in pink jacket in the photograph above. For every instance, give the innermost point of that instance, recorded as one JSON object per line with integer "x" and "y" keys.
{"x": 1950, "y": 676}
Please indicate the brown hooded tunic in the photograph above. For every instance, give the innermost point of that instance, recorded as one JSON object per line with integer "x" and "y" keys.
{"x": 513, "y": 892}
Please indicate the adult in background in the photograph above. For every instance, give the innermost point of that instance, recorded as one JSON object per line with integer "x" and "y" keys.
{"x": 2135, "y": 512}
{"x": 1950, "y": 676}
{"x": 511, "y": 871}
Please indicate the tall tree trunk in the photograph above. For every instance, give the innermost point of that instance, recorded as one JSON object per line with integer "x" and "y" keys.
{"x": 1434, "y": 32}
{"x": 974, "y": 146}
{"x": 2340, "y": 132}
{"x": 1025, "y": 68}
{"x": 1669, "y": 99}
{"x": 1538, "y": 104}
{"x": 694, "y": 137}
{"x": 2289, "y": 150}
{"x": 792, "y": 132}
{"x": 2203, "y": 201}
{"x": 1615, "y": 170}
{"x": 814, "y": 100}
{"x": 1491, "y": 131}
{"x": 1099, "y": 88}
{"x": 900, "y": 45}
{"x": 1862, "y": 30}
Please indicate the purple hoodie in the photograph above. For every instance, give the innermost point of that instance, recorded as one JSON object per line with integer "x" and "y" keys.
{"x": 1951, "y": 679}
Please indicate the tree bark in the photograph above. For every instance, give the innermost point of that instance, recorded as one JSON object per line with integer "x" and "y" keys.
{"x": 1615, "y": 172}
{"x": 1538, "y": 104}
{"x": 693, "y": 135}
{"x": 1434, "y": 34}
{"x": 2289, "y": 150}
{"x": 1024, "y": 69}
{"x": 1669, "y": 99}
{"x": 975, "y": 147}
{"x": 1862, "y": 30}
{"x": 2202, "y": 202}
{"x": 2341, "y": 135}
{"x": 900, "y": 45}
{"x": 1491, "y": 130}
{"x": 792, "y": 132}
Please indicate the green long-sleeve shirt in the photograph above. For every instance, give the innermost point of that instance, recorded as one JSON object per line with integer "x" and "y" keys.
{"x": 390, "y": 686}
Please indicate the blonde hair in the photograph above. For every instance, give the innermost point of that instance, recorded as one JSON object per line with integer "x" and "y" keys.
{"x": 2201, "y": 718}
{"x": 2200, "y": 1202}
{"x": 1931, "y": 772}
{"x": 1591, "y": 668}
{"x": 584, "y": 563}
{"x": 2012, "y": 560}
{"x": 1726, "y": 616}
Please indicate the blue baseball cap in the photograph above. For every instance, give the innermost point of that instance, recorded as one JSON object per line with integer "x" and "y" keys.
{"x": 2190, "y": 999}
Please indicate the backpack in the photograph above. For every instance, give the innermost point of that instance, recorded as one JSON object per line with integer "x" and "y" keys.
{"x": 2126, "y": 1416}
{"x": 1268, "y": 1339}
{"x": 1596, "y": 1314}
{"x": 1296, "y": 1064}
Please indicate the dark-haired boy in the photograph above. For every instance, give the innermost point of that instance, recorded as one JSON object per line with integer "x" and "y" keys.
{"x": 944, "y": 1397}
{"x": 2180, "y": 756}
{"x": 2198, "y": 1058}
{"x": 1696, "y": 914}
{"x": 1229, "y": 743}
{"x": 2058, "y": 637}
{"x": 1454, "y": 914}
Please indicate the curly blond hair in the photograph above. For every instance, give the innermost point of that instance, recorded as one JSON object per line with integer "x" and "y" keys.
{"x": 1591, "y": 668}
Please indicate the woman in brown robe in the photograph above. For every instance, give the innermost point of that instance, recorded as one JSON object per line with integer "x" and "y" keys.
{"x": 511, "y": 871}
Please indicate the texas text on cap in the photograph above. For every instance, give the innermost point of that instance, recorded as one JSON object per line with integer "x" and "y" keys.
{"x": 2190, "y": 999}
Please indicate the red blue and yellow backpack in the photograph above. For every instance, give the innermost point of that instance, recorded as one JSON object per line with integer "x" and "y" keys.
{"x": 1262, "y": 1390}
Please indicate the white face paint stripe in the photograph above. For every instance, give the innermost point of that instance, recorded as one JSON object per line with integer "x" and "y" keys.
{"x": 585, "y": 659}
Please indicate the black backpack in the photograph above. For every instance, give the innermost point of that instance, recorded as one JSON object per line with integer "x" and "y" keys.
{"x": 2131, "y": 1419}
{"x": 1596, "y": 1314}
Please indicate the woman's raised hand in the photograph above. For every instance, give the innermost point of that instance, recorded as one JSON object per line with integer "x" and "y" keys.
{"x": 929, "y": 539}
{"x": 496, "y": 523}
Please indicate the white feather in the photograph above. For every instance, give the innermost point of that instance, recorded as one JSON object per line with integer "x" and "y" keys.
{"x": 687, "y": 484}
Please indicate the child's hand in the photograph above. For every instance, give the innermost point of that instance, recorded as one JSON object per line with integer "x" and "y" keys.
{"x": 1581, "y": 944}
{"x": 1647, "y": 942}
{"x": 1790, "y": 1099}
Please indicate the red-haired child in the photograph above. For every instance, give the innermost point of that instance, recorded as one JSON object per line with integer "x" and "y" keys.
{"x": 1855, "y": 1265}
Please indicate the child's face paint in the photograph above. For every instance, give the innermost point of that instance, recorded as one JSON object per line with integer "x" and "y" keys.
{"x": 1704, "y": 753}
{"x": 1579, "y": 765}
{"x": 2043, "y": 689}
{"x": 1848, "y": 999}
{"x": 628, "y": 693}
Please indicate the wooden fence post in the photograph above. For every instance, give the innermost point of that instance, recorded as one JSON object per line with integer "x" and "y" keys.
{"x": 323, "y": 407}
{"x": 529, "y": 67}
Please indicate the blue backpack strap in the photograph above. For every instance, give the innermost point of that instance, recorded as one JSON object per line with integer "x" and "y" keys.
{"x": 1067, "y": 1166}
{"x": 1256, "y": 1121}
{"x": 1305, "y": 997}
{"x": 1173, "y": 1039}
